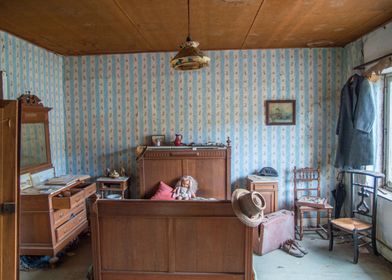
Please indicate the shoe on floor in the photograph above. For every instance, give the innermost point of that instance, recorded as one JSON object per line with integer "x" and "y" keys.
{"x": 289, "y": 248}
{"x": 298, "y": 245}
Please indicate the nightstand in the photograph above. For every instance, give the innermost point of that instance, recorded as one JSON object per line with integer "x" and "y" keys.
{"x": 268, "y": 187}
{"x": 107, "y": 184}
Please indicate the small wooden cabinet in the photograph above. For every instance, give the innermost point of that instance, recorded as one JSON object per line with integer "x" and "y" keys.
{"x": 268, "y": 187}
{"x": 49, "y": 221}
{"x": 107, "y": 184}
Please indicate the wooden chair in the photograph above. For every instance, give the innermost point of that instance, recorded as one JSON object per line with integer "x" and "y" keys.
{"x": 361, "y": 194}
{"x": 307, "y": 182}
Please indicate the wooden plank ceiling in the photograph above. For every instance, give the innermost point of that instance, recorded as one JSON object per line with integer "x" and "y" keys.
{"x": 78, "y": 27}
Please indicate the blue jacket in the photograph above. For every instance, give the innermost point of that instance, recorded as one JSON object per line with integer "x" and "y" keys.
{"x": 355, "y": 124}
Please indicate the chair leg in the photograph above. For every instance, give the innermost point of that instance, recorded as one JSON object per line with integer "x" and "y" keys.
{"x": 356, "y": 246}
{"x": 301, "y": 225}
{"x": 318, "y": 219}
{"x": 329, "y": 221}
{"x": 295, "y": 222}
{"x": 330, "y": 235}
{"x": 374, "y": 242}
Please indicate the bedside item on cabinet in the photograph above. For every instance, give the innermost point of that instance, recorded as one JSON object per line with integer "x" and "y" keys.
{"x": 114, "y": 174}
{"x": 157, "y": 140}
{"x": 211, "y": 145}
{"x": 268, "y": 171}
{"x": 248, "y": 206}
{"x": 177, "y": 141}
{"x": 108, "y": 184}
{"x": 307, "y": 191}
{"x": 25, "y": 181}
{"x": 122, "y": 172}
{"x": 113, "y": 196}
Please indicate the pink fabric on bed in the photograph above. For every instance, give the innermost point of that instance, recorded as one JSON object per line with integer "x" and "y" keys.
{"x": 276, "y": 228}
{"x": 164, "y": 192}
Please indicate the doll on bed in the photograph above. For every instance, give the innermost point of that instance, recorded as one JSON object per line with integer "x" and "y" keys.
{"x": 185, "y": 188}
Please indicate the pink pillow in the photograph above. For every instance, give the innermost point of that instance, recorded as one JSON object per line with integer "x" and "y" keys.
{"x": 164, "y": 192}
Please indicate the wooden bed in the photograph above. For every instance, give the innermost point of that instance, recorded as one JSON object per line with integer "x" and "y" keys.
{"x": 208, "y": 165}
{"x": 151, "y": 240}
{"x": 144, "y": 239}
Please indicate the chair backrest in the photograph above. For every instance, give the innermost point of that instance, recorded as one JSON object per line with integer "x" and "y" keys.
{"x": 363, "y": 199}
{"x": 307, "y": 181}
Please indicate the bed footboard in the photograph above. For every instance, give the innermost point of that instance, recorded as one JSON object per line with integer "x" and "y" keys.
{"x": 151, "y": 240}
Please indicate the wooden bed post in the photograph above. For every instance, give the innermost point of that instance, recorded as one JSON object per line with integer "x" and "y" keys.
{"x": 228, "y": 172}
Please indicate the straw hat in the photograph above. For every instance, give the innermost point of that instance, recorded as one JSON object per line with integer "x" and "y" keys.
{"x": 248, "y": 206}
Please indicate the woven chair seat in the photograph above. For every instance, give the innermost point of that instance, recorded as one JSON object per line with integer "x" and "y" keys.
{"x": 349, "y": 224}
{"x": 308, "y": 208}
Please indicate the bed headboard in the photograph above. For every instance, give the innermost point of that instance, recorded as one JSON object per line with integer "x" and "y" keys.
{"x": 210, "y": 166}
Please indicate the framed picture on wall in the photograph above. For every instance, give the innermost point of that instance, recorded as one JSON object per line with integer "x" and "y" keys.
{"x": 280, "y": 112}
{"x": 157, "y": 140}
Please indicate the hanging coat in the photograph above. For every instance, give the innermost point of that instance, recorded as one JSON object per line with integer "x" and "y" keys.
{"x": 355, "y": 124}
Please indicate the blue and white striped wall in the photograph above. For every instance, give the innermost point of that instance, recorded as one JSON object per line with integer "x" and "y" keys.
{"x": 31, "y": 68}
{"x": 104, "y": 106}
{"x": 115, "y": 102}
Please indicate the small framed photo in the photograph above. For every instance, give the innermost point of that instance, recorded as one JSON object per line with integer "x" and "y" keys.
{"x": 157, "y": 140}
{"x": 280, "y": 112}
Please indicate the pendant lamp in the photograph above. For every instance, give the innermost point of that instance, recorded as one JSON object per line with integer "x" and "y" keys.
{"x": 189, "y": 57}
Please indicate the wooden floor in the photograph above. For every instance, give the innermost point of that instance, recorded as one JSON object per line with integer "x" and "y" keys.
{"x": 73, "y": 266}
{"x": 318, "y": 264}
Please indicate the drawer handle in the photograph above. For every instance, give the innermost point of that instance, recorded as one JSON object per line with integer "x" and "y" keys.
{"x": 73, "y": 215}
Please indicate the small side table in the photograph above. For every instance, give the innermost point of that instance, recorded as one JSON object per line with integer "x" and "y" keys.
{"x": 119, "y": 184}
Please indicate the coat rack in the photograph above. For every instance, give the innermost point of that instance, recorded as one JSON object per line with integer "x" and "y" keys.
{"x": 374, "y": 72}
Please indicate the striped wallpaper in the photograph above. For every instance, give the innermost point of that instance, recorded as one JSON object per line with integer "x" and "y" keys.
{"x": 104, "y": 106}
{"x": 30, "y": 68}
{"x": 115, "y": 102}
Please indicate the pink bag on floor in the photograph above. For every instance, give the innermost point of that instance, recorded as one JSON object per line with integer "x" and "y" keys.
{"x": 275, "y": 229}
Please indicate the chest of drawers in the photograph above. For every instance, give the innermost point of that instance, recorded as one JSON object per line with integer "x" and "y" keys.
{"x": 49, "y": 222}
